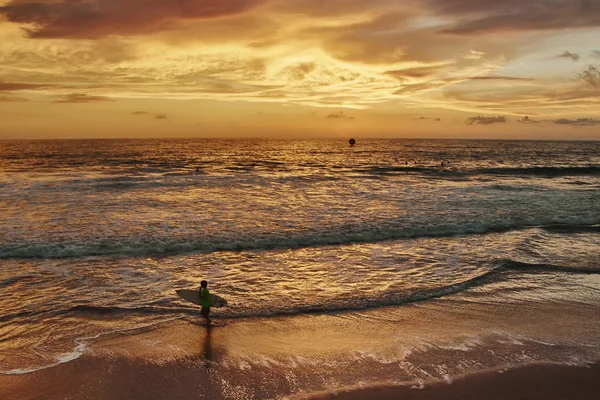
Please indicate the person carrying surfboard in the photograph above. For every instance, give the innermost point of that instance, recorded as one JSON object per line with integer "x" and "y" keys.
{"x": 205, "y": 301}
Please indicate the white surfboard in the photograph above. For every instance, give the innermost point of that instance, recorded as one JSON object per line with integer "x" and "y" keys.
{"x": 193, "y": 296}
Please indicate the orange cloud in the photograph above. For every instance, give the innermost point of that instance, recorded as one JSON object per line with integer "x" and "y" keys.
{"x": 11, "y": 98}
{"x": 339, "y": 115}
{"x": 527, "y": 120}
{"x": 420, "y": 72}
{"x": 378, "y": 60}
{"x": 486, "y": 120}
{"x": 98, "y": 18}
{"x": 578, "y": 122}
{"x": 481, "y": 17}
{"x": 499, "y": 78}
{"x": 8, "y": 86}
{"x": 80, "y": 98}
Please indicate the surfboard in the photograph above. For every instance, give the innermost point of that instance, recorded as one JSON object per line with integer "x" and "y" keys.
{"x": 193, "y": 296}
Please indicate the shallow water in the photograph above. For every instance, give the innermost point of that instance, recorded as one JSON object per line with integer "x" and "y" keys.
{"x": 96, "y": 236}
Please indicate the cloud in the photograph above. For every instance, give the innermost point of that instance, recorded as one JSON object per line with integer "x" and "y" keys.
{"x": 7, "y": 86}
{"x": 81, "y": 98}
{"x": 328, "y": 8}
{"x": 578, "y": 122}
{"x": 591, "y": 76}
{"x": 486, "y": 120}
{"x": 98, "y": 18}
{"x": 157, "y": 115}
{"x": 411, "y": 89}
{"x": 329, "y": 56}
{"x": 11, "y": 98}
{"x": 569, "y": 55}
{"x": 419, "y": 72}
{"x": 432, "y": 72}
{"x": 340, "y": 54}
{"x": 339, "y": 115}
{"x": 430, "y": 119}
{"x": 388, "y": 38}
{"x": 527, "y": 120}
{"x": 595, "y": 53}
{"x": 483, "y": 17}
{"x": 498, "y": 78}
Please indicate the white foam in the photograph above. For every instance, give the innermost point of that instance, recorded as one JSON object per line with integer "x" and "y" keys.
{"x": 60, "y": 359}
{"x": 80, "y": 348}
{"x": 125, "y": 244}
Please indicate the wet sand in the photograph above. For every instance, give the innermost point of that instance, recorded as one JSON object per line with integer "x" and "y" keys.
{"x": 413, "y": 351}
{"x": 539, "y": 382}
{"x": 103, "y": 379}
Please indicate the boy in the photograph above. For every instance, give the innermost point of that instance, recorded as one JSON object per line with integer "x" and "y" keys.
{"x": 205, "y": 301}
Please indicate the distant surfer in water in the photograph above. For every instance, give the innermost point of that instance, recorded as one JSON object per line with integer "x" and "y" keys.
{"x": 205, "y": 301}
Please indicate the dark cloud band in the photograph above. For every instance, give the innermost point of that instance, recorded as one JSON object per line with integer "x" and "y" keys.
{"x": 98, "y": 18}
{"x": 480, "y": 17}
{"x": 486, "y": 120}
{"x": 578, "y": 121}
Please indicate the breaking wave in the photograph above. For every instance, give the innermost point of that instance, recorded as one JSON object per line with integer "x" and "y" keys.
{"x": 314, "y": 239}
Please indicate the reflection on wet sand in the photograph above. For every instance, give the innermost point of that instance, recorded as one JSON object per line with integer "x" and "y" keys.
{"x": 207, "y": 348}
{"x": 296, "y": 356}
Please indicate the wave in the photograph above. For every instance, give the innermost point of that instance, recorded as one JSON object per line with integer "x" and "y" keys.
{"x": 497, "y": 273}
{"x": 62, "y": 358}
{"x": 431, "y": 171}
{"x": 159, "y": 307}
{"x": 390, "y": 299}
{"x": 524, "y": 266}
{"x": 174, "y": 305}
{"x": 315, "y": 239}
{"x": 151, "y": 179}
{"x": 80, "y": 346}
{"x": 544, "y": 171}
{"x": 454, "y": 170}
{"x": 16, "y": 279}
{"x": 572, "y": 229}
{"x": 171, "y": 306}
{"x": 258, "y": 174}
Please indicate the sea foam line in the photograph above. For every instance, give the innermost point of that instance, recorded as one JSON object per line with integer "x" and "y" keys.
{"x": 315, "y": 239}
{"x": 80, "y": 348}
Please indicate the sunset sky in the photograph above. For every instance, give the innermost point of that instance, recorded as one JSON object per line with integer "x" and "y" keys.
{"x": 300, "y": 68}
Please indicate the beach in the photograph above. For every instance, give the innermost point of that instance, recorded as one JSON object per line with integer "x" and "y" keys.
{"x": 116, "y": 380}
{"x": 414, "y": 351}
{"x": 119, "y": 379}
{"x": 358, "y": 272}
{"x": 532, "y": 383}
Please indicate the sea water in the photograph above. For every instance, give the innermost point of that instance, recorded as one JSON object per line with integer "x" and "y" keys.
{"x": 96, "y": 235}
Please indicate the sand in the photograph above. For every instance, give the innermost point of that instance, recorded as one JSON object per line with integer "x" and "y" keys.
{"x": 103, "y": 379}
{"x": 406, "y": 352}
{"x": 537, "y": 382}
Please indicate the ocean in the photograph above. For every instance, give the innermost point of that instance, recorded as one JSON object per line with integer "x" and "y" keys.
{"x": 427, "y": 246}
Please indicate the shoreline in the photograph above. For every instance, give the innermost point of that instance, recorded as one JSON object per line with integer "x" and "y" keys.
{"x": 98, "y": 378}
{"x": 445, "y": 348}
{"x": 531, "y": 382}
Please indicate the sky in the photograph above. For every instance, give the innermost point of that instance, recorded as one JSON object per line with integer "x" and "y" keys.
{"x": 510, "y": 69}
